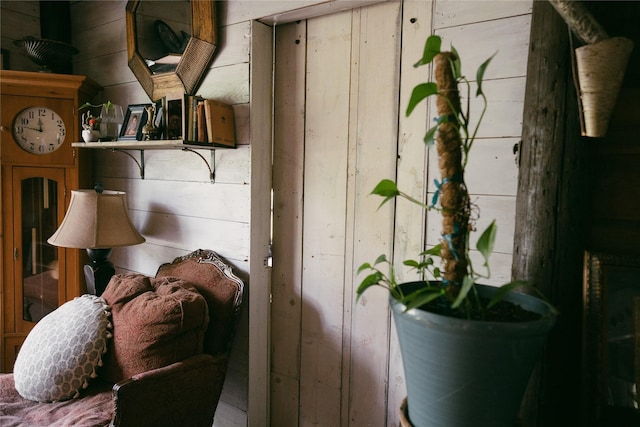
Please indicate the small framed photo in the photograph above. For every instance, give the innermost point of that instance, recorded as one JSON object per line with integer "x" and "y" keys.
{"x": 134, "y": 120}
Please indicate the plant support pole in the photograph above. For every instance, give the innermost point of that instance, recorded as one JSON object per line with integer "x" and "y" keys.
{"x": 454, "y": 198}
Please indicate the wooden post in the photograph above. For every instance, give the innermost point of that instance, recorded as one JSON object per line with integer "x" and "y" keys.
{"x": 550, "y": 216}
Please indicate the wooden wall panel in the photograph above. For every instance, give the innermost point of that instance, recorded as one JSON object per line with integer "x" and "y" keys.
{"x": 412, "y": 167}
{"x": 460, "y": 12}
{"x": 382, "y": 143}
{"x": 176, "y": 207}
{"x": 492, "y": 172}
{"x": 333, "y": 357}
{"x": 288, "y": 158}
{"x": 374, "y": 114}
{"x": 323, "y": 249}
{"x": 19, "y": 20}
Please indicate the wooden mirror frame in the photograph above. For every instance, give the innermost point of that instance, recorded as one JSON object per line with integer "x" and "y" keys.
{"x": 195, "y": 59}
{"x": 600, "y": 285}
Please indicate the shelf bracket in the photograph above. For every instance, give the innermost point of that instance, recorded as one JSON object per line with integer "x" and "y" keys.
{"x": 210, "y": 165}
{"x": 139, "y": 163}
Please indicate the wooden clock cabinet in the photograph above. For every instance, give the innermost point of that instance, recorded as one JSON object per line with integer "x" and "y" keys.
{"x": 39, "y": 121}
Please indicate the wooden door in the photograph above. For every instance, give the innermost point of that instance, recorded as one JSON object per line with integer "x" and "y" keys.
{"x": 34, "y": 280}
{"x": 336, "y": 124}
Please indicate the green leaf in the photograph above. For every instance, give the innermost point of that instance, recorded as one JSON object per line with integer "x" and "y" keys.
{"x": 504, "y": 290}
{"x": 486, "y": 241}
{"x": 419, "y": 93}
{"x": 480, "y": 74}
{"x": 424, "y": 296}
{"x": 387, "y": 189}
{"x": 382, "y": 258}
{"x": 456, "y": 64}
{"x": 431, "y": 49}
{"x": 434, "y": 251}
{"x": 411, "y": 263}
{"x": 367, "y": 282}
{"x": 467, "y": 284}
{"x": 429, "y": 137}
{"x": 363, "y": 267}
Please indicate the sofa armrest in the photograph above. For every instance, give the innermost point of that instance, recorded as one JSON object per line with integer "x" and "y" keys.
{"x": 185, "y": 393}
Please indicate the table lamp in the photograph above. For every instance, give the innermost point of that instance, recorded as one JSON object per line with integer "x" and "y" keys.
{"x": 97, "y": 221}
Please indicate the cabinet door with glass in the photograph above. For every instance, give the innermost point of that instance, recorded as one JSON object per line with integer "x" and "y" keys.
{"x": 35, "y": 286}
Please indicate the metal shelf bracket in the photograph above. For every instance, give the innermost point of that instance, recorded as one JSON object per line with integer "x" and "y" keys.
{"x": 210, "y": 165}
{"x": 139, "y": 163}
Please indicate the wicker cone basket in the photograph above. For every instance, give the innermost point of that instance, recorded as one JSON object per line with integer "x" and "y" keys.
{"x": 404, "y": 414}
{"x": 601, "y": 68}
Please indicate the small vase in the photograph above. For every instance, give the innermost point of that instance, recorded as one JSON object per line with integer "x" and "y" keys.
{"x": 89, "y": 135}
{"x": 111, "y": 123}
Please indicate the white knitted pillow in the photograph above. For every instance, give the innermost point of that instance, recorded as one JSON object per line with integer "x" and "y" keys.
{"x": 63, "y": 350}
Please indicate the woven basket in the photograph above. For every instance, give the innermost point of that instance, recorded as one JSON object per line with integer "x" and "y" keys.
{"x": 601, "y": 68}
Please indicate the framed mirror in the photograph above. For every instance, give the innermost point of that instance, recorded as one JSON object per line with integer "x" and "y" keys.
{"x": 168, "y": 54}
{"x": 611, "y": 365}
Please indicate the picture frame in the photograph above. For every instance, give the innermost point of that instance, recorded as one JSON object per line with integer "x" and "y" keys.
{"x": 174, "y": 117}
{"x": 134, "y": 120}
{"x": 611, "y": 339}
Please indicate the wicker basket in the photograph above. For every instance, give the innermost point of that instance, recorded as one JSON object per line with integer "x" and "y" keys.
{"x": 601, "y": 68}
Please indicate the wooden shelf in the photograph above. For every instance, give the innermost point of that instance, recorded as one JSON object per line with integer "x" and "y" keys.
{"x": 172, "y": 144}
{"x": 141, "y": 146}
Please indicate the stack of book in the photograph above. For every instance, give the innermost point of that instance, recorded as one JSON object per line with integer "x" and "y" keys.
{"x": 197, "y": 120}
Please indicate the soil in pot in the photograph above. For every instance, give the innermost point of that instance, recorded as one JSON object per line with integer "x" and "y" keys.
{"x": 503, "y": 311}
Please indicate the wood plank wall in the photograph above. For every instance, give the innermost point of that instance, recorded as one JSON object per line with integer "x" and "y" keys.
{"x": 19, "y": 19}
{"x": 175, "y": 207}
{"x": 341, "y": 88}
{"x": 334, "y": 362}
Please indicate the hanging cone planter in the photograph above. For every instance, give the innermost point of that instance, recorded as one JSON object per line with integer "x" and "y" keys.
{"x": 601, "y": 67}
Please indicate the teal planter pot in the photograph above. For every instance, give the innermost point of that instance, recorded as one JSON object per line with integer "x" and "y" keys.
{"x": 466, "y": 373}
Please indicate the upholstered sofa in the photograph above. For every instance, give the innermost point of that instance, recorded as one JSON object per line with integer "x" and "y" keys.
{"x": 162, "y": 345}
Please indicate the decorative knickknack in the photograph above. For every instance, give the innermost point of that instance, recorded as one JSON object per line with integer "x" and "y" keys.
{"x": 90, "y": 135}
{"x": 106, "y": 127}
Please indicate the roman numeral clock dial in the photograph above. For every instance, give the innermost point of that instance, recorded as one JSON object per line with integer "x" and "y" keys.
{"x": 39, "y": 130}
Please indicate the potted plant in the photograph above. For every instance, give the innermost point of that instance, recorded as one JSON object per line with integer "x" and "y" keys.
{"x": 468, "y": 349}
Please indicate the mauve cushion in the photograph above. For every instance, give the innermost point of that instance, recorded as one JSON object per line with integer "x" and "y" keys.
{"x": 156, "y": 322}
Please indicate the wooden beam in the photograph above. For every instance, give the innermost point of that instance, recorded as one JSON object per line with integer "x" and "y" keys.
{"x": 549, "y": 240}
{"x": 580, "y": 20}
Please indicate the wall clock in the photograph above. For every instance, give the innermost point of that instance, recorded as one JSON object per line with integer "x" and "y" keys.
{"x": 39, "y": 130}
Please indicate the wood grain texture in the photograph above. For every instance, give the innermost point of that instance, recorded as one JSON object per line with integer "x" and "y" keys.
{"x": 375, "y": 139}
{"x": 550, "y": 206}
{"x": 260, "y": 223}
{"x": 325, "y": 169}
{"x": 288, "y": 158}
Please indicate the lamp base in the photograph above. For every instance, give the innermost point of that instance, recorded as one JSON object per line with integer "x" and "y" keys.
{"x": 99, "y": 272}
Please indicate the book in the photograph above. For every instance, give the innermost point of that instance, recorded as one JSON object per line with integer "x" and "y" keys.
{"x": 201, "y": 123}
{"x": 220, "y": 123}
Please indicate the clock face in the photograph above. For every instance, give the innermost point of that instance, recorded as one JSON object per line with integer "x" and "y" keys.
{"x": 39, "y": 130}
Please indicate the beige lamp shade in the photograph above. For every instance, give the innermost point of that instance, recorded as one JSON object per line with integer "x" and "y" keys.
{"x": 96, "y": 220}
